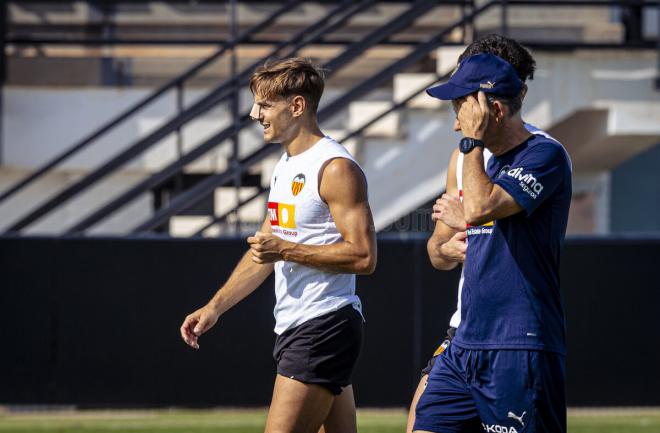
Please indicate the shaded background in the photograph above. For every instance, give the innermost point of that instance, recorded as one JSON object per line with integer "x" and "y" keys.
{"x": 94, "y": 322}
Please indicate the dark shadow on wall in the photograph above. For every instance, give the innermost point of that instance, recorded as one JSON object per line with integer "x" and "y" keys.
{"x": 95, "y": 323}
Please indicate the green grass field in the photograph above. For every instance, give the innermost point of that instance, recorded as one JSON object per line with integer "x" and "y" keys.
{"x": 252, "y": 421}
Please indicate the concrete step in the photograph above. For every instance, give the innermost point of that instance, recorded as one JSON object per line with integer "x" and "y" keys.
{"x": 407, "y": 84}
{"x": 404, "y": 173}
{"x": 186, "y": 225}
{"x": 85, "y": 110}
{"x": 362, "y": 112}
{"x": 447, "y": 58}
{"x": 73, "y": 211}
{"x": 226, "y": 200}
{"x": 600, "y": 139}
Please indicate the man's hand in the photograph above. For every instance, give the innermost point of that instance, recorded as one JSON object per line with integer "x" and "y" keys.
{"x": 197, "y": 323}
{"x": 473, "y": 114}
{"x": 449, "y": 210}
{"x": 454, "y": 249}
{"x": 266, "y": 247}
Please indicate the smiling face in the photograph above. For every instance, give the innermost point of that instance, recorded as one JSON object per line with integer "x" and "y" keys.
{"x": 280, "y": 117}
{"x": 286, "y": 96}
{"x": 275, "y": 117}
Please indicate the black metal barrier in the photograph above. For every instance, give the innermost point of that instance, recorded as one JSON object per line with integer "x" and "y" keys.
{"x": 95, "y": 322}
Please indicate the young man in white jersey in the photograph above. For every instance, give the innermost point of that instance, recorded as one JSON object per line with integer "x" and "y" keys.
{"x": 318, "y": 234}
{"x": 447, "y": 245}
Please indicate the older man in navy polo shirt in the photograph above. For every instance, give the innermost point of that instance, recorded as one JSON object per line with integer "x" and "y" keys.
{"x": 504, "y": 371}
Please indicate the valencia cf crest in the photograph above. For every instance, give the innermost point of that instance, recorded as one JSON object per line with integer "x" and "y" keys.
{"x": 297, "y": 184}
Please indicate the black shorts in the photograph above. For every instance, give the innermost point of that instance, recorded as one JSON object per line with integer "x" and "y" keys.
{"x": 429, "y": 366}
{"x": 323, "y": 350}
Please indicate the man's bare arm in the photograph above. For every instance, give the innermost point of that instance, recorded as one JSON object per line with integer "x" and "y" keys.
{"x": 446, "y": 246}
{"x": 344, "y": 188}
{"x": 245, "y": 278}
{"x": 483, "y": 201}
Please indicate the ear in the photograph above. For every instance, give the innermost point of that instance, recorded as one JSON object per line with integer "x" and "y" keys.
{"x": 297, "y": 106}
{"x": 498, "y": 111}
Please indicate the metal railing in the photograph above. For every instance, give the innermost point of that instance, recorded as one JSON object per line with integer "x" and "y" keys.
{"x": 216, "y": 96}
{"x": 176, "y": 83}
{"x": 197, "y": 193}
{"x": 311, "y": 33}
{"x": 314, "y": 32}
{"x": 193, "y": 196}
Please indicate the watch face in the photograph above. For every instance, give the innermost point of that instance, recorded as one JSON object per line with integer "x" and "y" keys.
{"x": 466, "y": 145}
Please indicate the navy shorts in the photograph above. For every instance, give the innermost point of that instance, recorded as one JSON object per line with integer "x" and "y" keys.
{"x": 499, "y": 391}
{"x": 322, "y": 350}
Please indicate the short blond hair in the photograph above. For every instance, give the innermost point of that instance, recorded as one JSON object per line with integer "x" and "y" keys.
{"x": 289, "y": 77}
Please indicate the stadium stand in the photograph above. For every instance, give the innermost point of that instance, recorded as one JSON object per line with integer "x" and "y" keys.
{"x": 157, "y": 137}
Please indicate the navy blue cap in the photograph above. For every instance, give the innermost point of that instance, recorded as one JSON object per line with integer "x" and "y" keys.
{"x": 486, "y": 72}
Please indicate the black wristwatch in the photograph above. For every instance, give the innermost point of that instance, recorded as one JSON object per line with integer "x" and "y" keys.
{"x": 467, "y": 144}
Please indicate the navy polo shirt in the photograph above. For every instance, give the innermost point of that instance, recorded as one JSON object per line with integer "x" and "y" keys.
{"x": 510, "y": 296}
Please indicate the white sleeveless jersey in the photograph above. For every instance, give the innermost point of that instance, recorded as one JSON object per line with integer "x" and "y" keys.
{"x": 456, "y": 317}
{"x": 298, "y": 214}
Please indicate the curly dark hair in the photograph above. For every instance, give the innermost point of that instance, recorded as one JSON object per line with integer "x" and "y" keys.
{"x": 508, "y": 49}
